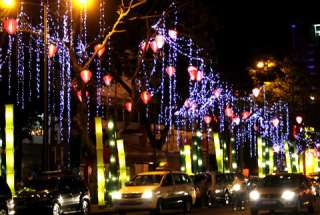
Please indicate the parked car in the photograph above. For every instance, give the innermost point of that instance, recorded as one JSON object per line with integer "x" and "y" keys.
{"x": 283, "y": 192}
{"x": 53, "y": 194}
{"x": 5, "y": 195}
{"x": 155, "y": 191}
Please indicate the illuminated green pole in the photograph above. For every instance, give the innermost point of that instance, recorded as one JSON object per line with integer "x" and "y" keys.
{"x": 196, "y": 153}
{"x": 234, "y": 165}
{"x": 295, "y": 159}
{"x": 100, "y": 164}
{"x": 9, "y": 130}
{"x": 187, "y": 155}
{"x": 183, "y": 159}
{"x": 265, "y": 163}
{"x": 122, "y": 162}
{"x": 271, "y": 160}
{"x": 260, "y": 157}
{"x": 219, "y": 152}
{"x": 288, "y": 159}
{"x": 113, "y": 173}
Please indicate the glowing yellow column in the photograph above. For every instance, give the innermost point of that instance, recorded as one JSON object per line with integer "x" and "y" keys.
{"x": 187, "y": 155}
{"x": 100, "y": 163}
{"x": 301, "y": 163}
{"x": 288, "y": 158}
{"x": 9, "y": 146}
{"x": 260, "y": 157}
{"x": 122, "y": 162}
{"x": 271, "y": 160}
{"x": 219, "y": 152}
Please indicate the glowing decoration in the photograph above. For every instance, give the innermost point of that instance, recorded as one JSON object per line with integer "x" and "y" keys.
{"x": 10, "y": 25}
{"x": 245, "y": 115}
{"x": 256, "y": 92}
{"x": 276, "y": 148}
{"x": 217, "y": 93}
{"x": 188, "y": 163}
{"x": 52, "y": 50}
{"x": 79, "y": 95}
{"x": 107, "y": 79}
{"x": 312, "y": 98}
{"x": 173, "y": 34}
{"x": 122, "y": 162}
{"x": 236, "y": 120}
{"x": 193, "y": 72}
{"x": 218, "y": 151}
{"x": 128, "y": 106}
{"x": 299, "y": 119}
{"x": 187, "y": 103}
{"x": 207, "y": 119}
{"x": 260, "y": 158}
{"x": 100, "y": 163}
{"x": 110, "y": 125}
{"x": 170, "y": 70}
{"x": 7, "y": 4}
{"x": 9, "y": 135}
{"x": 100, "y": 49}
{"x": 311, "y": 161}
{"x": 86, "y": 75}
{"x": 229, "y": 112}
{"x": 145, "y": 97}
{"x": 271, "y": 161}
{"x": 144, "y": 46}
{"x": 260, "y": 64}
{"x": 288, "y": 157}
{"x": 275, "y": 122}
{"x": 153, "y": 46}
{"x": 159, "y": 41}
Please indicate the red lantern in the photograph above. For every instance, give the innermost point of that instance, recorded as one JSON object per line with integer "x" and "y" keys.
{"x": 217, "y": 93}
{"x": 299, "y": 119}
{"x": 173, "y": 34}
{"x": 80, "y": 96}
{"x": 275, "y": 122}
{"x": 144, "y": 46}
{"x": 145, "y": 97}
{"x": 52, "y": 50}
{"x": 193, "y": 72}
{"x": 128, "y": 106}
{"x": 107, "y": 79}
{"x": 153, "y": 46}
{"x": 256, "y": 92}
{"x": 86, "y": 75}
{"x": 207, "y": 119}
{"x": 229, "y": 112}
{"x": 100, "y": 49}
{"x": 245, "y": 115}
{"x": 170, "y": 70}
{"x": 236, "y": 120}
{"x": 159, "y": 41}
{"x": 10, "y": 25}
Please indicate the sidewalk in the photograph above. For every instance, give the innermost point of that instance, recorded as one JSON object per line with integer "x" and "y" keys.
{"x": 96, "y": 209}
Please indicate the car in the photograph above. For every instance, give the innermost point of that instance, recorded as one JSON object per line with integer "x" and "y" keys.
{"x": 286, "y": 192}
{"x": 53, "y": 194}
{"x": 5, "y": 195}
{"x": 155, "y": 191}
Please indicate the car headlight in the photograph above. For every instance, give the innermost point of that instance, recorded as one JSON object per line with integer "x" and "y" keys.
{"x": 147, "y": 194}
{"x": 288, "y": 195}
{"x": 218, "y": 191}
{"x": 236, "y": 187}
{"x": 116, "y": 195}
{"x": 254, "y": 195}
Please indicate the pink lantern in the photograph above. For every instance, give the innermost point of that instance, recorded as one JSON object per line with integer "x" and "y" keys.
{"x": 245, "y": 115}
{"x": 173, "y": 34}
{"x": 145, "y": 97}
{"x": 153, "y": 46}
{"x": 107, "y": 79}
{"x": 193, "y": 72}
{"x": 100, "y": 49}
{"x": 236, "y": 120}
{"x": 10, "y": 25}
{"x": 144, "y": 46}
{"x": 229, "y": 112}
{"x": 128, "y": 106}
{"x": 80, "y": 96}
{"x": 194, "y": 106}
{"x": 299, "y": 119}
{"x": 186, "y": 103}
{"x": 86, "y": 75}
{"x": 159, "y": 41}
{"x": 170, "y": 70}
{"x": 275, "y": 122}
{"x": 199, "y": 75}
{"x": 256, "y": 92}
{"x": 52, "y": 50}
{"x": 207, "y": 119}
{"x": 217, "y": 93}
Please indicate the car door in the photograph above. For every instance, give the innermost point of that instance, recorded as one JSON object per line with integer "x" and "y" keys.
{"x": 167, "y": 191}
{"x": 180, "y": 189}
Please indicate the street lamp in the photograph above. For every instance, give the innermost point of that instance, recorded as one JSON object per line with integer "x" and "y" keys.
{"x": 267, "y": 64}
{"x": 8, "y": 4}
{"x": 83, "y": 3}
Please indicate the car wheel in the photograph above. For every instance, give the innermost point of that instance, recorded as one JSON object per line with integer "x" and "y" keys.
{"x": 254, "y": 212}
{"x": 56, "y": 209}
{"x": 85, "y": 207}
{"x": 3, "y": 212}
{"x": 187, "y": 205}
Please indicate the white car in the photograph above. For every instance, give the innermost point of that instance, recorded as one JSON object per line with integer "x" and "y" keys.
{"x": 155, "y": 191}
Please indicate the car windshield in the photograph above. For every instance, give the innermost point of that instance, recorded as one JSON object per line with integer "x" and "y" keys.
{"x": 280, "y": 181}
{"x": 42, "y": 184}
{"x": 145, "y": 180}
